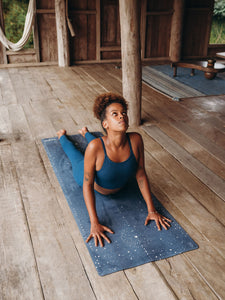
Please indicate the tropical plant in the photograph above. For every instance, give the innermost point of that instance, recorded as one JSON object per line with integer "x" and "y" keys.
{"x": 14, "y": 13}
{"x": 219, "y": 8}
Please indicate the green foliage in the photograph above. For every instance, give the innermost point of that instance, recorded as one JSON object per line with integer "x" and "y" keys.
{"x": 217, "y": 31}
{"x": 219, "y": 8}
{"x": 218, "y": 25}
{"x": 14, "y": 19}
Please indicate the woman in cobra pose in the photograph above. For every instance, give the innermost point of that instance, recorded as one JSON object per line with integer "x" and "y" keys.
{"x": 109, "y": 162}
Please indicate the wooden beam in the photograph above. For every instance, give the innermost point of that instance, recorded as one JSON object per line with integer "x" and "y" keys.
{"x": 62, "y": 34}
{"x": 131, "y": 57}
{"x": 36, "y": 36}
{"x": 3, "y": 57}
{"x": 143, "y": 27}
{"x": 98, "y": 30}
{"x": 176, "y": 31}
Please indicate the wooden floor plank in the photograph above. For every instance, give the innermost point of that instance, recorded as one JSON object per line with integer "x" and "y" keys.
{"x": 63, "y": 98}
{"x": 19, "y": 278}
{"x": 163, "y": 182}
{"x": 58, "y": 262}
{"x": 214, "y": 182}
{"x": 107, "y": 82}
{"x": 194, "y": 148}
{"x": 146, "y": 280}
{"x": 113, "y": 286}
{"x": 7, "y": 91}
{"x": 182, "y": 114}
{"x": 19, "y": 125}
{"x": 217, "y": 151}
{"x": 195, "y": 187}
{"x": 214, "y": 105}
{"x": 5, "y": 124}
{"x": 180, "y": 205}
{"x": 156, "y": 115}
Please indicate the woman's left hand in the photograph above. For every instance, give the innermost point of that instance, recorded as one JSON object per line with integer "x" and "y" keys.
{"x": 159, "y": 219}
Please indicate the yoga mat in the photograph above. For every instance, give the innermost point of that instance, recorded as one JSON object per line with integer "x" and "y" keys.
{"x": 133, "y": 243}
{"x": 198, "y": 82}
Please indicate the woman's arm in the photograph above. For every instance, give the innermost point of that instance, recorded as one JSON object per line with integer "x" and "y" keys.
{"x": 97, "y": 230}
{"x": 144, "y": 187}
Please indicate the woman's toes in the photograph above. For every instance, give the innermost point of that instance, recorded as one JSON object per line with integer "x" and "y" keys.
{"x": 61, "y": 132}
{"x": 83, "y": 130}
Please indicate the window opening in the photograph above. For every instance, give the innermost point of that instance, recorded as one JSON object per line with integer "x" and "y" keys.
{"x": 217, "y": 35}
{"x": 14, "y": 14}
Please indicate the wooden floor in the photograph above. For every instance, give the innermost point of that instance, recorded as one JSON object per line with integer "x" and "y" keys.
{"x": 42, "y": 254}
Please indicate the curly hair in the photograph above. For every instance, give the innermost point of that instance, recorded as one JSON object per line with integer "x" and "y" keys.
{"x": 103, "y": 101}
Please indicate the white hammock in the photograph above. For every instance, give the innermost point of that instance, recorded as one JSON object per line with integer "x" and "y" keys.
{"x": 26, "y": 32}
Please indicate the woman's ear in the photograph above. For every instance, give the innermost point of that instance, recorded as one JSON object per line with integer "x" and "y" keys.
{"x": 105, "y": 124}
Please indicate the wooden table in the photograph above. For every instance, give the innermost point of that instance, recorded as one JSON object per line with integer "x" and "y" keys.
{"x": 210, "y": 69}
{"x": 221, "y": 55}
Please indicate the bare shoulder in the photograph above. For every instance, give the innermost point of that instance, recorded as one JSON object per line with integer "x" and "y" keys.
{"x": 94, "y": 146}
{"x": 135, "y": 138}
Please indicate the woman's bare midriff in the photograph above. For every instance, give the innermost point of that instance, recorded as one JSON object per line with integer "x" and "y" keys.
{"x": 104, "y": 191}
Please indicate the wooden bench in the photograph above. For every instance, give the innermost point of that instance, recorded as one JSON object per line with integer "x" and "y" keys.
{"x": 210, "y": 68}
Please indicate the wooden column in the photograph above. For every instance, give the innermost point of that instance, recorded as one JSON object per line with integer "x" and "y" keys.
{"x": 62, "y": 33}
{"x": 3, "y": 57}
{"x": 176, "y": 31}
{"x": 131, "y": 57}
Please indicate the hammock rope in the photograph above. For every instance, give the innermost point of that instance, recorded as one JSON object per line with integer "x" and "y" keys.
{"x": 26, "y": 32}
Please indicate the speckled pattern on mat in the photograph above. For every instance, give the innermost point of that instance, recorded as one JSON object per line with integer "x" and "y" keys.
{"x": 133, "y": 243}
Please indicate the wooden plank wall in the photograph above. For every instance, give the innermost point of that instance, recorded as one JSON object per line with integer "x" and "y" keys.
{"x": 158, "y": 27}
{"x": 97, "y": 28}
{"x": 47, "y": 30}
{"x": 110, "y": 30}
{"x": 82, "y": 14}
{"x": 195, "y": 35}
{"x": 3, "y": 58}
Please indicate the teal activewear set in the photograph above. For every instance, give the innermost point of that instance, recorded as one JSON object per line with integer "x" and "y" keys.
{"x": 112, "y": 175}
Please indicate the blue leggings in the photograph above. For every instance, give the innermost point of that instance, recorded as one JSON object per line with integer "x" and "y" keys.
{"x": 75, "y": 156}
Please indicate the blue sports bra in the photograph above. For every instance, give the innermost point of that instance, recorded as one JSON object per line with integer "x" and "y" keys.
{"x": 114, "y": 175}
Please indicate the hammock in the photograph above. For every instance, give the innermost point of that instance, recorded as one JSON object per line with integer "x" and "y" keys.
{"x": 26, "y": 32}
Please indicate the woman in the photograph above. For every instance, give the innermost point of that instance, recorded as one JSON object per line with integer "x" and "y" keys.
{"x": 109, "y": 162}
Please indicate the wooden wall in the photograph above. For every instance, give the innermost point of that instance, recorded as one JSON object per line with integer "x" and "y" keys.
{"x": 3, "y": 57}
{"x": 97, "y": 28}
{"x": 83, "y": 17}
{"x": 156, "y": 25}
{"x": 46, "y": 31}
{"x": 197, "y": 26}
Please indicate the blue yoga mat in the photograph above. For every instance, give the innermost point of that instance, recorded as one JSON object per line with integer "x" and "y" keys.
{"x": 198, "y": 81}
{"x": 133, "y": 243}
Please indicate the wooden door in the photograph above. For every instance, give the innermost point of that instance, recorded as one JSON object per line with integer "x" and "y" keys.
{"x": 46, "y": 37}
{"x": 110, "y": 47}
{"x": 156, "y": 28}
{"x": 197, "y": 25}
{"x": 82, "y": 14}
{"x": 97, "y": 29}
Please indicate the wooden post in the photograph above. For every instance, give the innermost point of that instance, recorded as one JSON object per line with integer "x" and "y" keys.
{"x": 3, "y": 57}
{"x": 131, "y": 57}
{"x": 176, "y": 31}
{"x": 62, "y": 33}
{"x": 36, "y": 35}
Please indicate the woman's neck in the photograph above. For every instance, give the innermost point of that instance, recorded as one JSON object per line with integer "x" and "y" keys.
{"x": 117, "y": 139}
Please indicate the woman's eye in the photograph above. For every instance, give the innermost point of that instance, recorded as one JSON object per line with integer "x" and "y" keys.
{"x": 114, "y": 114}
{"x": 124, "y": 113}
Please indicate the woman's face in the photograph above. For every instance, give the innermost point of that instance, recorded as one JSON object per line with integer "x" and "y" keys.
{"x": 116, "y": 118}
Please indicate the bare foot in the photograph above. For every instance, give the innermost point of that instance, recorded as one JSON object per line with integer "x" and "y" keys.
{"x": 61, "y": 132}
{"x": 83, "y": 130}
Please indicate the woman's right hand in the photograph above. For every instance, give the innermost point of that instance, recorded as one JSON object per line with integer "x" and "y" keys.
{"x": 97, "y": 232}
